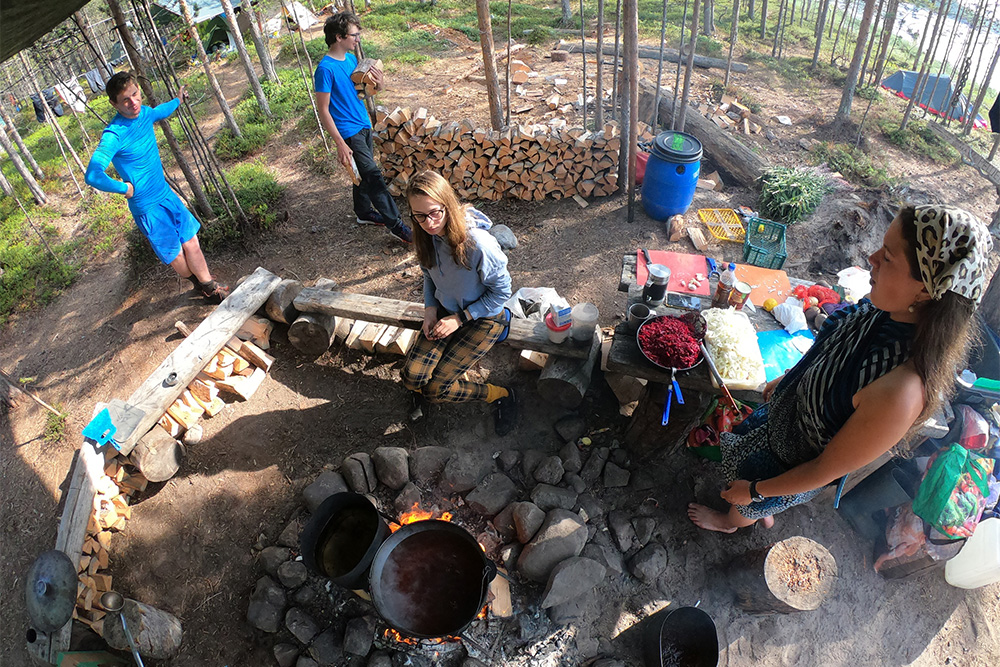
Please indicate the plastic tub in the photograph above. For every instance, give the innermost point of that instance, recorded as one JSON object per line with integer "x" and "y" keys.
{"x": 584, "y": 321}
{"x": 978, "y": 563}
{"x": 671, "y": 174}
{"x": 557, "y": 334}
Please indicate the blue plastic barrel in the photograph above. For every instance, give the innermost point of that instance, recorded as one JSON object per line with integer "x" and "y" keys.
{"x": 671, "y": 174}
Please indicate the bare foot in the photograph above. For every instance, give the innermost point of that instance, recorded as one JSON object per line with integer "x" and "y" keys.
{"x": 709, "y": 519}
{"x": 768, "y": 522}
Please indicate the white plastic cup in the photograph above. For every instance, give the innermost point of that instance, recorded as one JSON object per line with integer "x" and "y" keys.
{"x": 584, "y": 320}
{"x": 557, "y": 334}
{"x": 978, "y": 563}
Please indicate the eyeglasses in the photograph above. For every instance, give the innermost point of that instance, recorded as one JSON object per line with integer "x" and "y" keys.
{"x": 355, "y": 35}
{"x": 434, "y": 214}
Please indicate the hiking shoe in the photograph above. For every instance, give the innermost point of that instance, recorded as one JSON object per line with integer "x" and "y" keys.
{"x": 402, "y": 232}
{"x": 416, "y": 406}
{"x": 371, "y": 218}
{"x": 505, "y": 418}
{"x": 214, "y": 292}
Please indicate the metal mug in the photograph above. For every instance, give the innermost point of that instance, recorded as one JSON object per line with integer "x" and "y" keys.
{"x": 637, "y": 314}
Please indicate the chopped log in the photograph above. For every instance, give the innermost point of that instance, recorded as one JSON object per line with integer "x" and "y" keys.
{"x": 256, "y": 356}
{"x": 257, "y": 330}
{"x": 158, "y": 455}
{"x": 313, "y": 333}
{"x": 241, "y": 386}
{"x": 343, "y": 330}
{"x": 363, "y": 68}
{"x": 370, "y": 335}
{"x": 559, "y": 55}
{"x": 390, "y": 334}
{"x": 157, "y": 634}
{"x": 279, "y": 306}
{"x": 170, "y": 425}
{"x": 531, "y": 360}
{"x": 402, "y": 343}
{"x": 795, "y": 574}
{"x": 186, "y": 410}
{"x": 564, "y": 381}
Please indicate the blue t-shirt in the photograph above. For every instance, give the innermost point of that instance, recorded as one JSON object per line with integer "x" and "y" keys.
{"x": 130, "y": 144}
{"x": 334, "y": 77}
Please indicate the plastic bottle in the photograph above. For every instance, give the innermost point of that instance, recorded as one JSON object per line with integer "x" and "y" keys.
{"x": 725, "y": 286}
{"x": 978, "y": 563}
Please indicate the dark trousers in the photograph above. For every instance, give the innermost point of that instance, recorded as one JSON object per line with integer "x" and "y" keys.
{"x": 372, "y": 193}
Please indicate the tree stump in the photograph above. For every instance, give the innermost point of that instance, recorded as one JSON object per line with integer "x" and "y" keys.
{"x": 158, "y": 455}
{"x": 279, "y": 306}
{"x": 314, "y": 333}
{"x": 157, "y": 634}
{"x": 564, "y": 380}
{"x": 795, "y": 574}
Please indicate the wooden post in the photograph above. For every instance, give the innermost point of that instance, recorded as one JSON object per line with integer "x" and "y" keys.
{"x": 312, "y": 334}
{"x": 632, "y": 33}
{"x": 489, "y": 63}
{"x": 157, "y": 634}
{"x": 213, "y": 83}
{"x": 681, "y": 114}
{"x": 12, "y": 129}
{"x": 795, "y": 574}
{"x": 599, "y": 83}
{"x": 241, "y": 48}
{"x": 36, "y": 190}
{"x": 279, "y": 306}
{"x": 680, "y": 53}
{"x": 659, "y": 67}
{"x": 617, "y": 64}
{"x": 564, "y": 381}
{"x": 583, "y": 54}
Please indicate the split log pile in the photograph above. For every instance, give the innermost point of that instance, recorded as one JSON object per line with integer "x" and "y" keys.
{"x": 529, "y": 162}
{"x": 730, "y": 115}
{"x": 362, "y": 77}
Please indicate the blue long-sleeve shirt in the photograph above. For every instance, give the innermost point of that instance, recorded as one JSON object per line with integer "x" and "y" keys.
{"x": 482, "y": 289}
{"x": 130, "y": 144}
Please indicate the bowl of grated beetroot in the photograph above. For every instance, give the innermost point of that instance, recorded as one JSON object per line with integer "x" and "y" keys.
{"x": 672, "y": 342}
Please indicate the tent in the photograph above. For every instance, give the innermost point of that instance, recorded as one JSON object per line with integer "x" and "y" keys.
{"x": 210, "y": 18}
{"x": 904, "y": 81}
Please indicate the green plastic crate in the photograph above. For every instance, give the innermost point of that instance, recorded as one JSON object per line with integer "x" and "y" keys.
{"x": 764, "y": 245}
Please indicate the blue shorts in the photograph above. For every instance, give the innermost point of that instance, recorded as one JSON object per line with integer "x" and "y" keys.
{"x": 166, "y": 225}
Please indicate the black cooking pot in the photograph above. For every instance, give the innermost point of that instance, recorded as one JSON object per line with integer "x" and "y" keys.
{"x": 430, "y": 579}
{"x": 341, "y": 539}
{"x": 684, "y": 636}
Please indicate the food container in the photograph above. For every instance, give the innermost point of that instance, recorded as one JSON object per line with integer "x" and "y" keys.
{"x": 743, "y": 333}
{"x": 655, "y": 289}
{"x": 557, "y": 334}
{"x": 584, "y": 321}
{"x": 978, "y": 563}
{"x": 637, "y": 314}
{"x": 739, "y": 295}
{"x": 561, "y": 313}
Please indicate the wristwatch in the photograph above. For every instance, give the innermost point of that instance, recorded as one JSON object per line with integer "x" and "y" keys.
{"x": 463, "y": 317}
{"x": 755, "y": 496}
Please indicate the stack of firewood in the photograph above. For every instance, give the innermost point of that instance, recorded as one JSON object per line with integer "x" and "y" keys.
{"x": 362, "y": 77}
{"x": 729, "y": 114}
{"x": 527, "y": 162}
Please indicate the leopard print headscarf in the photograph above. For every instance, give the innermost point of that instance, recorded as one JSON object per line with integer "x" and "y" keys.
{"x": 953, "y": 247}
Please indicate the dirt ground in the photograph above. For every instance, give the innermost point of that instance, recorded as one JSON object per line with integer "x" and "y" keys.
{"x": 188, "y": 546}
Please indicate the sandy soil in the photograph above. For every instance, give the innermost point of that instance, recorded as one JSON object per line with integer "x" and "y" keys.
{"x": 188, "y": 547}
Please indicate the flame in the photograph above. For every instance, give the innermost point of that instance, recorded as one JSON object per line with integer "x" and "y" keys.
{"x": 482, "y": 612}
{"x": 416, "y": 514}
{"x": 394, "y": 636}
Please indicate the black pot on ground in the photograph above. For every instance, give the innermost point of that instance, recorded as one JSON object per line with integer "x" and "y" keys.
{"x": 341, "y": 539}
{"x": 684, "y": 636}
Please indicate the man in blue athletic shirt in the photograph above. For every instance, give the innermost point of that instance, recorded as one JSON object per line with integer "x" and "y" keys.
{"x": 344, "y": 116}
{"x": 129, "y": 142}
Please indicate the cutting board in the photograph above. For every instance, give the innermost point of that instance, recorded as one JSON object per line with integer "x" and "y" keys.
{"x": 683, "y": 267}
{"x": 764, "y": 283}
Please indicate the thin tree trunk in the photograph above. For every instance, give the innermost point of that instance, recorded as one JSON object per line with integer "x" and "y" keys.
{"x": 632, "y": 40}
{"x": 979, "y": 64}
{"x": 615, "y": 75}
{"x": 583, "y": 54}
{"x": 733, "y": 34}
{"x": 83, "y": 23}
{"x": 763, "y": 19}
{"x": 688, "y": 67}
{"x": 20, "y": 143}
{"x": 833, "y": 54}
{"x": 659, "y": 68}
{"x": 918, "y": 89}
{"x": 507, "y": 68}
{"x": 752, "y": 10}
{"x": 820, "y": 24}
{"x": 850, "y": 29}
{"x": 708, "y": 25}
{"x": 777, "y": 29}
{"x": 923, "y": 36}
{"x": 677, "y": 78}
{"x": 931, "y": 56}
{"x": 306, "y": 82}
{"x": 489, "y": 63}
{"x": 36, "y": 190}
{"x": 844, "y": 111}
{"x": 5, "y": 185}
{"x": 599, "y": 83}
{"x": 258, "y": 92}
{"x": 207, "y": 66}
{"x": 833, "y": 18}
{"x": 947, "y": 49}
{"x": 260, "y": 44}
{"x": 983, "y": 89}
{"x": 72, "y": 109}
{"x": 887, "y": 31}
{"x": 871, "y": 44}
{"x": 50, "y": 115}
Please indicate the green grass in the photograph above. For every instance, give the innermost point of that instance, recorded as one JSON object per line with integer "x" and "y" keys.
{"x": 55, "y": 426}
{"x": 919, "y": 139}
{"x": 854, "y": 165}
{"x": 258, "y": 193}
{"x": 287, "y": 99}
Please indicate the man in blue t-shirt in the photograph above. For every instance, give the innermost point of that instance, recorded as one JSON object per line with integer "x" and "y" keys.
{"x": 129, "y": 142}
{"x": 344, "y": 116}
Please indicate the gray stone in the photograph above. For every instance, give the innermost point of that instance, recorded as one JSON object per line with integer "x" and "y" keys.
{"x": 509, "y": 553}
{"x": 571, "y": 459}
{"x": 327, "y": 484}
{"x": 592, "y": 469}
{"x": 608, "y": 662}
{"x": 301, "y": 625}
{"x": 391, "y": 466}
{"x": 285, "y": 654}
{"x": 575, "y": 482}
{"x": 619, "y": 457}
{"x": 549, "y": 470}
{"x": 327, "y": 648}
{"x": 508, "y": 459}
{"x": 570, "y": 428}
{"x": 464, "y": 471}
{"x": 292, "y": 574}
{"x": 576, "y": 611}
{"x": 529, "y": 461}
{"x": 359, "y": 472}
{"x": 379, "y": 659}
{"x": 649, "y": 563}
{"x": 426, "y": 464}
{"x": 561, "y": 536}
{"x": 620, "y": 523}
{"x": 528, "y": 519}
{"x": 641, "y": 481}
{"x": 504, "y": 236}
{"x": 644, "y": 527}
{"x": 549, "y": 497}
{"x": 407, "y": 498}
{"x": 605, "y": 555}
{"x": 272, "y": 557}
{"x": 589, "y": 505}
{"x": 290, "y": 535}
{"x": 615, "y": 476}
{"x": 571, "y": 578}
{"x": 587, "y": 647}
{"x": 359, "y": 635}
{"x": 306, "y": 661}
{"x": 267, "y": 605}
{"x": 492, "y": 495}
{"x": 504, "y": 523}
{"x": 472, "y": 662}
{"x": 305, "y": 596}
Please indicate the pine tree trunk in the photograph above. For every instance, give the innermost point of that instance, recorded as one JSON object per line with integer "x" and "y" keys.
{"x": 567, "y": 12}
{"x": 979, "y": 63}
{"x": 56, "y": 127}
{"x": 583, "y": 54}
{"x": 5, "y": 185}
{"x": 922, "y": 76}
{"x": 83, "y": 23}
{"x": 923, "y": 36}
{"x": 752, "y": 9}
{"x": 12, "y": 129}
{"x": 833, "y": 53}
{"x": 688, "y": 68}
{"x": 847, "y": 98}
{"x": 887, "y": 31}
{"x": 213, "y": 83}
{"x": 931, "y": 56}
{"x": 489, "y": 63}
{"x": 677, "y": 77}
{"x": 708, "y": 27}
{"x": 947, "y": 49}
{"x": 820, "y": 24}
{"x": 599, "y": 83}
{"x": 871, "y": 44}
{"x": 36, "y": 190}
{"x": 778, "y": 28}
{"x": 763, "y": 19}
{"x": 615, "y": 75}
{"x": 258, "y": 92}
{"x": 733, "y": 34}
{"x": 260, "y": 44}
{"x": 983, "y": 89}
{"x": 631, "y": 25}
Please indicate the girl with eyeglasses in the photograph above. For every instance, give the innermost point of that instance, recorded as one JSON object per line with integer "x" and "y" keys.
{"x": 465, "y": 286}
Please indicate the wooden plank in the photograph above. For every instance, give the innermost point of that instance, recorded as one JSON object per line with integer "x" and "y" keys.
{"x": 153, "y": 396}
{"x": 524, "y": 334}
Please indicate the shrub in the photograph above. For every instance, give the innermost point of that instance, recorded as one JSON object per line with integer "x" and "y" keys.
{"x": 853, "y": 164}
{"x": 918, "y": 138}
{"x": 230, "y": 147}
{"x": 258, "y": 192}
{"x": 788, "y": 194}
{"x": 31, "y": 276}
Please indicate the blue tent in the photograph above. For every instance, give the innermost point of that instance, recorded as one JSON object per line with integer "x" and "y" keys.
{"x": 904, "y": 81}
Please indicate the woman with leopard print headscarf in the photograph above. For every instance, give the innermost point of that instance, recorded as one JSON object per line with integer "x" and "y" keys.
{"x": 875, "y": 370}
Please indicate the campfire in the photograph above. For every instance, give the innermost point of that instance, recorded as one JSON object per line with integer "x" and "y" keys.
{"x": 415, "y": 513}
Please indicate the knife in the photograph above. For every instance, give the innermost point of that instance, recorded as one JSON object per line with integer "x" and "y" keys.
{"x": 645, "y": 253}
